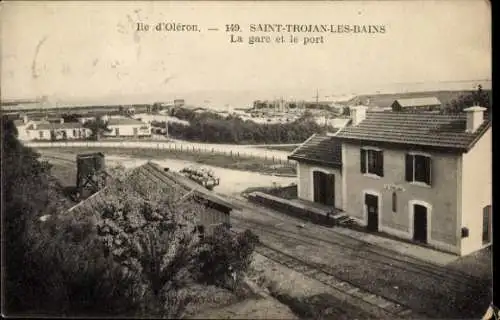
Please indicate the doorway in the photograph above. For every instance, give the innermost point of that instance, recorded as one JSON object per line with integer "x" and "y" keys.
{"x": 419, "y": 223}
{"x": 371, "y": 204}
{"x": 487, "y": 225}
{"x": 324, "y": 188}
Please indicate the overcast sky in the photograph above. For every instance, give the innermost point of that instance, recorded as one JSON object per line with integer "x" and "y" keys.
{"x": 77, "y": 50}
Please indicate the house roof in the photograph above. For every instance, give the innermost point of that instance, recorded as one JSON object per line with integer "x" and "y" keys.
{"x": 418, "y": 102}
{"x": 124, "y": 121}
{"x": 319, "y": 149}
{"x": 416, "y": 129}
{"x": 56, "y": 126}
{"x": 150, "y": 174}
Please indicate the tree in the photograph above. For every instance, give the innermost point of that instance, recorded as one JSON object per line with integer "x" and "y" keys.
{"x": 98, "y": 127}
{"x": 346, "y": 111}
{"x": 134, "y": 255}
{"x": 25, "y": 188}
{"x": 478, "y": 97}
{"x": 152, "y": 236}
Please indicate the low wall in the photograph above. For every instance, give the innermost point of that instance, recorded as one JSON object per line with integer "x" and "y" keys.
{"x": 292, "y": 208}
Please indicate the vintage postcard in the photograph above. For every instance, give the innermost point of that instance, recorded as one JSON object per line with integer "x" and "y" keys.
{"x": 247, "y": 159}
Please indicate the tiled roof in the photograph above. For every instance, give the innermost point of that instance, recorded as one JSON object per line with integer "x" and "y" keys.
{"x": 419, "y": 102}
{"x": 319, "y": 149}
{"x": 56, "y": 126}
{"x": 124, "y": 121}
{"x": 418, "y": 129}
{"x": 148, "y": 175}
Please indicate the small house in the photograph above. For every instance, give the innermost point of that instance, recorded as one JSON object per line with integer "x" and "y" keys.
{"x": 127, "y": 127}
{"x": 57, "y": 131}
{"x": 416, "y": 104}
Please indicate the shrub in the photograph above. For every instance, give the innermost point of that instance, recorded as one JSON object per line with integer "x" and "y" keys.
{"x": 224, "y": 257}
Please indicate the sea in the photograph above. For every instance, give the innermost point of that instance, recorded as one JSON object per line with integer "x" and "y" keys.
{"x": 230, "y": 99}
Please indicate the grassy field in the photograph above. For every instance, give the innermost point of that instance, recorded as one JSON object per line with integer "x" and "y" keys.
{"x": 218, "y": 160}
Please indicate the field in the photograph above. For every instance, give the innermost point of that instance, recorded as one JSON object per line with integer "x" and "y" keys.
{"x": 235, "y": 162}
{"x": 385, "y": 100}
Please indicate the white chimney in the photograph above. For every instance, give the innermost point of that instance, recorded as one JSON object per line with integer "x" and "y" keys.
{"x": 358, "y": 114}
{"x": 61, "y": 120}
{"x": 25, "y": 119}
{"x": 475, "y": 117}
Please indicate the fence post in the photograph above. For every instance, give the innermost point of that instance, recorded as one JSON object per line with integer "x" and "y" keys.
{"x": 212, "y": 150}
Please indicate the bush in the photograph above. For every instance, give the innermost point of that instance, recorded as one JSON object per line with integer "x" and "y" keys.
{"x": 225, "y": 257}
{"x": 98, "y": 263}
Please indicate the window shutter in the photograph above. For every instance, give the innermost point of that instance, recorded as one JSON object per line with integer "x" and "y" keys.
{"x": 409, "y": 167}
{"x": 394, "y": 202}
{"x": 428, "y": 170}
{"x": 363, "y": 161}
{"x": 380, "y": 163}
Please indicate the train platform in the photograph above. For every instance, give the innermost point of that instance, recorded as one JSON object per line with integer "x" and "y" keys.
{"x": 340, "y": 222}
{"x": 400, "y": 246}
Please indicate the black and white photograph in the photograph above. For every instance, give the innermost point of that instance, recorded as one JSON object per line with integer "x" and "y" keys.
{"x": 247, "y": 159}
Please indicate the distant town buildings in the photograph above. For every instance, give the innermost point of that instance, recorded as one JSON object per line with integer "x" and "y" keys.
{"x": 53, "y": 129}
{"x": 179, "y": 103}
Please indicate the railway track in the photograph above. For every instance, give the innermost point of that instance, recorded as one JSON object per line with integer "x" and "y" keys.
{"x": 456, "y": 281}
{"x": 390, "y": 306}
{"x": 59, "y": 158}
{"x": 326, "y": 236}
{"x": 448, "y": 283}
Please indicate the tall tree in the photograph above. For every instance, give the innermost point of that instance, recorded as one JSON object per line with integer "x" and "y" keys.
{"x": 479, "y": 97}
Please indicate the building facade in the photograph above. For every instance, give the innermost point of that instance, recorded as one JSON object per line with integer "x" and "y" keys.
{"x": 420, "y": 177}
{"x": 45, "y": 130}
{"x": 127, "y": 127}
